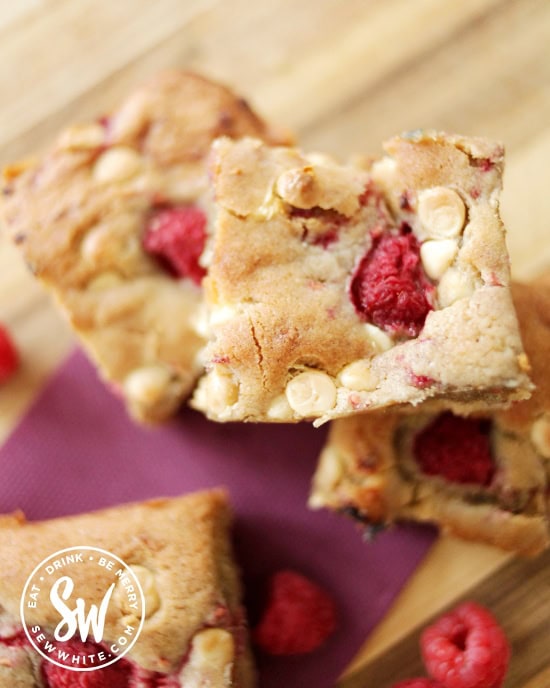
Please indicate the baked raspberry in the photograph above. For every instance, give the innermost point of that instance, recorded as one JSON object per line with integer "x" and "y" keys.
{"x": 457, "y": 449}
{"x": 9, "y": 359}
{"x": 466, "y": 648}
{"x": 298, "y": 618}
{"x": 177, "y": 236}
{"x": 116, "y": 675}
{"x": 418, "y": 683}
{"x": 163, "y": 682}
{"x": 326, "y": 239}
{"x": 331, "y": 220}
{"x": 141, "y": 678}
{"x": 18, "y": 639}
{"x": 389, "y": 288}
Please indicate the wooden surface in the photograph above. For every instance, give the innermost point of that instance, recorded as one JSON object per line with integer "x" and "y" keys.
{"x": 344, "y": 75}
{"x": 519, "y": 596}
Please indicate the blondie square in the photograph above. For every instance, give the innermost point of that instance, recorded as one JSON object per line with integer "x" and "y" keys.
{"x": 194, "y": 630}
{"x": 335, "y": 290}
{"x": 114, "y": 220}
{"x": 484, "y": 477}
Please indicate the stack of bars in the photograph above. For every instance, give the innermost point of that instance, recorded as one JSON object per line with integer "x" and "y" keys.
{"x": 199, "y": 256}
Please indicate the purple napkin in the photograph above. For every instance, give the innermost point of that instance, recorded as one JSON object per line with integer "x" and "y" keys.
{"x": 76, "y": 450}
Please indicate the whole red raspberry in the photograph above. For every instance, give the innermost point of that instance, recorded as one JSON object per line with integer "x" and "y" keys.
{"x": 389, "y": 287}
{"x": 457, "y": 449}
{"x": 466, "y": 648}
{"x": 9, "y": 358}
{"x": 177, "y": 236}
{"x": 299, "y": 616}
{"x": 116, "y": 675}
{"x": 418, "y": 683}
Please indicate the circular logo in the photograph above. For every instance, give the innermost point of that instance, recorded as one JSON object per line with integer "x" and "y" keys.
{"x": 76, "y": 592}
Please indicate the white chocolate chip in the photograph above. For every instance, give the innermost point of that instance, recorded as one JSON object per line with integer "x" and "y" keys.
{"x": 327, "y": 186}
{"x": 82, "y": 137}
{"x": 200, "y": 322}
{"x": 221, "y": 390}
{"x": 105, "y": 280}
{"x": 441, "y": 212}
{"x": 279, "y": 409}
{"x": 373, "y": 481}
{"x": 358, "y": 376}
{"x": 316, "y": 501}
{"x": 297, "y": 186}
{"x": 270, "y": 206}
{"x": 540, "y": 436}
{"x": 101, "y": 244}
{"x": 210, "y": 662}
{"x": 379, "y": 338}
{"x": 92, "y": 244}
{"x": 454, "y": 285}
{"x": 311, "y": 393}
{"x": 213, "y": 646}
{"x": 323, "y": 159}
{"x": 113, "y": 242}
{"x": 222, "y": 314}
{"x": 384, "y": 171}
{"x": 146, "y": 579}
{"x": 117, "y": 164}
{"x": 437, "y": 256}
{"x": 327, "y": 476}
{"x": 147, "y": 386}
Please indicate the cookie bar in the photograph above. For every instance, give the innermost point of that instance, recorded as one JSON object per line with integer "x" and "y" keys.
{"x": 484, "y": 477}
{"x": 335, "y": 290}
{"x": 114, "y": 219}
{"x": 194, "y": 631}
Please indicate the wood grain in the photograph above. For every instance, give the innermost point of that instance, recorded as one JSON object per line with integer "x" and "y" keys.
{"x": 519, "y": 597}
{"x": 344, "y": 76}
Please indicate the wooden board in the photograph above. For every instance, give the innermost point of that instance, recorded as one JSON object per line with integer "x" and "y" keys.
{"x": 519, "y": 596}
{"x": 344, "y": 75}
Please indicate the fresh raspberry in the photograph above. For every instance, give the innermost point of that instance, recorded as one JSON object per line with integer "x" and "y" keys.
{"x": 116, "y": 675}
{"x": 389, "y": 288}
{"x": 299, "y": 616}
{"x": 177, "y": 236}
{"x": 466, "y": 648}
{"x": 9, "y": 359}
{"x": 418, "y": 683}
{"x": 457, "y": 449}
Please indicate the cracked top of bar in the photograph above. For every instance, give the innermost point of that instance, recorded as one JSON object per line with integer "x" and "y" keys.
{"x": 334, "y": 290}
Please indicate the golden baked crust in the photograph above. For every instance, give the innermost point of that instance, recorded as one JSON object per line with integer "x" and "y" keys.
{"x": 180, "y": 551}
{"x": 79, "y": 213}
{"x": 287, "y": 342}
{"x": 367, "y": 468}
